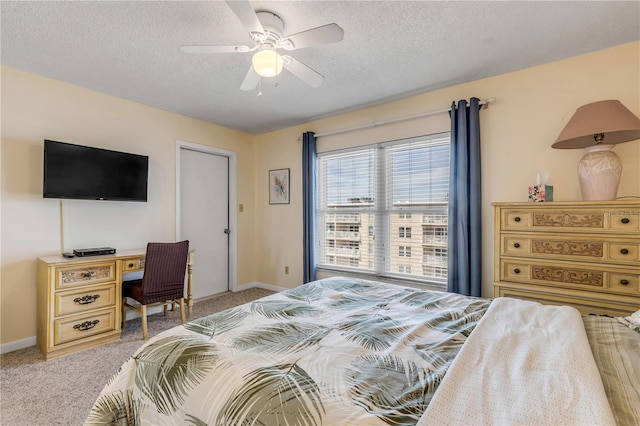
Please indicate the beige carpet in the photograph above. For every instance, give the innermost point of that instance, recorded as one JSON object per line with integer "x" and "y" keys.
{"x": 61, "y": 391}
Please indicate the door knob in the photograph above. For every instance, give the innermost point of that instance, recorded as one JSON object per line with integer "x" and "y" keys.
{"x": 227, "y": 231}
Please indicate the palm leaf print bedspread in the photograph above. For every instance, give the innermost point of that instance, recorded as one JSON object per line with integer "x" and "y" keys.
{"x": 338, "y": 351}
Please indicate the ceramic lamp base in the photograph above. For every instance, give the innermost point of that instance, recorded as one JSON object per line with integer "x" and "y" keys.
{"x": 599, "y": 172}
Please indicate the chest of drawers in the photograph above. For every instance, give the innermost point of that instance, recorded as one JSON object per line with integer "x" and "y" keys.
{"x": 80, "y": 300}
{"x": 583, "y": 254}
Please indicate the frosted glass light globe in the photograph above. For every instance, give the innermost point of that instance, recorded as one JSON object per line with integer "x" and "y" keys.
{"x": 267, "y": 63}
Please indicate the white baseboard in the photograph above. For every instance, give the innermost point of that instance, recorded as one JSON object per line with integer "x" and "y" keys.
{"x": 31, "y": 341}
{"x": 17, "y": 344}
{"x": 257, "y": 284}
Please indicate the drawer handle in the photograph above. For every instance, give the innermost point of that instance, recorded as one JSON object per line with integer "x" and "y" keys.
{"x": 517, "y": 219}
{"x": 85, "y": 300}
{"x": 625, "y": 220}
{"x": 624, "y": 282}
{"x": 131, "y": 265}
{"x": 517, "y": 245}
{"x": 88, "y": 274}
{"x": 624, "y": 251}
{"x": 87, "y": 325}
{"x": 517, "y": 271}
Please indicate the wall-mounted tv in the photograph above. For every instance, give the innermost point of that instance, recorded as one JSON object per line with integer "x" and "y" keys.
{"x": 87, "y": 173}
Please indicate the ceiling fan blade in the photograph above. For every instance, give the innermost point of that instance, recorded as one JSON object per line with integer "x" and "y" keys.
{"x": 214, "y": 49}
{"x": 329, "y": 33}
{"x": 303, "y": 72}
{"x": 247, "y": 15}
{"x": 250, "y": 80}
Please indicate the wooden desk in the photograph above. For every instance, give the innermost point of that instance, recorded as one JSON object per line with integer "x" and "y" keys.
{"x": 80, "y": 299}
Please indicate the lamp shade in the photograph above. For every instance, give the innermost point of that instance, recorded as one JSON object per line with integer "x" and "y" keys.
{"x": 607, "y": 118}
{"x": 267, "y": 63}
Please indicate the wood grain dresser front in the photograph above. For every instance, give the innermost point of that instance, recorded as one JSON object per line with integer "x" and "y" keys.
{"x": 583, "y": 254}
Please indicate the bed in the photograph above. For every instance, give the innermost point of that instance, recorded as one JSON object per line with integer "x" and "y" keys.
{"x": 344, "y": 351}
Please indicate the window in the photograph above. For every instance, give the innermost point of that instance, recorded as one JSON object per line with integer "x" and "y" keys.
{"x": 392, "y": 191}
{"x": 434, "y": 271}
{"x": 435, "y": 256}
{"x": 434, "y": 235}
{"x": 404, "y": 232}
{"x": 404, "y": 251}
{"x": 404, "y": 269}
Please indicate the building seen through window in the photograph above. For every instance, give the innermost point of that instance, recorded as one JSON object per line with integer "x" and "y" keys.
{"x": 383, "y": 209}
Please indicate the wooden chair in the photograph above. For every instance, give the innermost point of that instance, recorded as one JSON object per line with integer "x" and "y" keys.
{"x": 162, "y": 281}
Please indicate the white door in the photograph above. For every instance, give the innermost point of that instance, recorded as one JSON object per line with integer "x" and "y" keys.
{"x": 204, "y": 218}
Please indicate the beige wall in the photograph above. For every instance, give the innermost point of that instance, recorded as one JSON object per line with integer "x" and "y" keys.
{"x": 517, "y": 131}
{"x": 530, "y": 110}
{"x": 35, "y": 108}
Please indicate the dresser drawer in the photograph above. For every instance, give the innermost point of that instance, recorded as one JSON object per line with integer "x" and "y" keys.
{"x": 580, "y": 253}
{"x": 562, "y": 275}
{"x": 625, "y": 283}
{"x": 90, "y": 273}
{"x": 625, "y": 252}
{"x": 585, "y": 303}
{"x": 624, "y": 220}
{"x": 515, "y": 220}
{"x": 74, "y": 302}
{"x": 82, "y": 326}
{"x": 605, "y": 220}
{"x": 571, "y": 247}
{"x": 571, "y": 275}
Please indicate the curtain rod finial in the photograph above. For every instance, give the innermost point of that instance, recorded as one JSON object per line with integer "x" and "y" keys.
{"x": 487, "y": 102}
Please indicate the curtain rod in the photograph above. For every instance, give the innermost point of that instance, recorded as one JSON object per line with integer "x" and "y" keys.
{"x": 396, "y": 120}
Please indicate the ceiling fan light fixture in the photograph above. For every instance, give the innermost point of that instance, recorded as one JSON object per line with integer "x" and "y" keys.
{"x": 267, "y": 63}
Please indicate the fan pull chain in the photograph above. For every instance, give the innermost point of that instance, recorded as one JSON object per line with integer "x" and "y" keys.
{"x": 259, "y": 86}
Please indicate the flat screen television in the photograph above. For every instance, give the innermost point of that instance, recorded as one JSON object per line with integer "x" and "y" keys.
{"x": 87, "y": 173}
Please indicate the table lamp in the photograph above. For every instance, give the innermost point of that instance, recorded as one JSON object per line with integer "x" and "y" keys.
{"x": 596, "y": 127}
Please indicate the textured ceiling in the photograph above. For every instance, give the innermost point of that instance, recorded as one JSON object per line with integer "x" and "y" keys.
{"x": 391, "y": 49}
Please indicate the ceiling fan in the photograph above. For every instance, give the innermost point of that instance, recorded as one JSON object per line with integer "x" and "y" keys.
{"x": 266, "y": 31}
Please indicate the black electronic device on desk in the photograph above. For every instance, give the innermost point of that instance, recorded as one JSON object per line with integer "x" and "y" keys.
{"x": 100, "y": 251}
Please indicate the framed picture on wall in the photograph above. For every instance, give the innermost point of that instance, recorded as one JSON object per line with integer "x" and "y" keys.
{"x": 279, "y": 186}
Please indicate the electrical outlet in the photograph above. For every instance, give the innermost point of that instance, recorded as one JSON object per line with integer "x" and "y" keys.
{"x": 286, "y": 270}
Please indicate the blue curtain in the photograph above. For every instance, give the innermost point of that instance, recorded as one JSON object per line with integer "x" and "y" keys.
{"x": 309, "y": 159}
{"x": 464, "y": 254}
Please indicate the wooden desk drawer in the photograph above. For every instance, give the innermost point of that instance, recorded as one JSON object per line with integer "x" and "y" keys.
{"x": 81, "y": 326}
{"x": 129, "y": 265}
{"x": 91, "y": 273}
{"x": 67, "y": 303}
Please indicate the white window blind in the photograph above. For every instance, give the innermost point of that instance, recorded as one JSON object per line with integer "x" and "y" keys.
{"x": 382, "y": 209}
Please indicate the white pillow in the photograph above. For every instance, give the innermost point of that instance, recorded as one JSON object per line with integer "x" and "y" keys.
{"x": 632, "y": 321}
